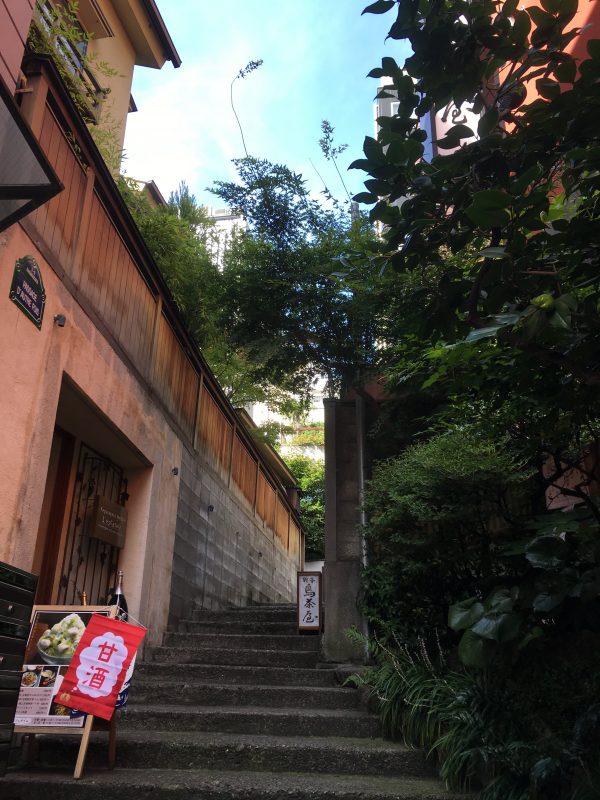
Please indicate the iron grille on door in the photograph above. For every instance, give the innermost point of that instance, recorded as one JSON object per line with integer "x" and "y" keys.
{"x": 90, "y": 565}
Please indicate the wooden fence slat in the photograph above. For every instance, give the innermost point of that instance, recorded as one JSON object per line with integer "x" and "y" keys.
{"x": 111, "y": 281}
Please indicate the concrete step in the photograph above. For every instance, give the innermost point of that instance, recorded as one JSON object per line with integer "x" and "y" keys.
{"x": 240, "y": 674}
{"x": 232, "y": 657}
{"x": 252, "y": 720}
{"x": 170, "y": 784}
{"x": 264, "y": 607}
{"x": 209, "y": 694}
{"x": 194, "y": 750}
{"x": 248, "y": 614}
{"x": 247, "y": 641}
{"x": 240, "y": 626}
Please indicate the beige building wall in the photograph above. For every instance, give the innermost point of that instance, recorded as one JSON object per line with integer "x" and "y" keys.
{"x": 132, "y": 41}
{"x": 34, "y": 364}
{"x": 118, "y": 53}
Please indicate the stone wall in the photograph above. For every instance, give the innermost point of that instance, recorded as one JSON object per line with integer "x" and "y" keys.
{"x": 223, "y": 555}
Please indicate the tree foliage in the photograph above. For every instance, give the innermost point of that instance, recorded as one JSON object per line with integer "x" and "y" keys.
{"x": 438, "y": 514}
{"x": 285, "y": 303}
{"x": 522, "y": 196}
{"x": 489, "y": 341}
{"x": 180, "y": 238}
{"x": 176, "y": 236}
{"x": 310, "y": 475}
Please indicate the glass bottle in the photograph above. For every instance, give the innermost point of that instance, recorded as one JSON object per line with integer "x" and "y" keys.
{"x": 117, "y": 598}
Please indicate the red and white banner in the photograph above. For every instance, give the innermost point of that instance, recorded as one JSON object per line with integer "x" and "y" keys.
{"x": 99, "y": 666}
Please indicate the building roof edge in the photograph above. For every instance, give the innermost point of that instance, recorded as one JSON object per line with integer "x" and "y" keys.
{"x": 163, "y": 34}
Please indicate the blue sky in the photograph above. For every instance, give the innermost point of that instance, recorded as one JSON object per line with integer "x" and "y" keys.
{"x": 316, "y": 56}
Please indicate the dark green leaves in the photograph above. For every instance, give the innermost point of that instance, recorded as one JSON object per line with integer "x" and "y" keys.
{"x": 499, "y": 321}
{"x": 405, "y": 151}
{"x": 366, "y": 197}
{"x": 547, "y": 552}
{"x": 521, "y": 26}
{"x": 374, "y": 151}
{"x": 593, "y": 48}
{"x": 379, "y": 7}
{"x": 488, "y": 121}
{"x": 388, "y": 68}
{"x": 499, "y": 627}
{"x": 489, "y": 209}
{"x": 548, "y": 88}
{"x": 566, "y": 71}
{"x": 552, "y": 6}
{"x": 474, "y": 651}
{"x": 493, "y": 252}
{"x": 454, "y": 136}
{"x": 464, "y": 614}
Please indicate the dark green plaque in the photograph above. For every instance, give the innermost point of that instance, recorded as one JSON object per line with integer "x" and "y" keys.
{"x": 27, "y": 289}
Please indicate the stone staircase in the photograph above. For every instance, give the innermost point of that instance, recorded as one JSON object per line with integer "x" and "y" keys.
{"x": 235, "y": 705}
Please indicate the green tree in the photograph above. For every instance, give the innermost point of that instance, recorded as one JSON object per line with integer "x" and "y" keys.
{"x": 173, "y": 235}
{"x": 286, "y": 306}
{"x": 310, "y": 475}
{"x": 489, "y": 343}
{"x": 522, "y": 196}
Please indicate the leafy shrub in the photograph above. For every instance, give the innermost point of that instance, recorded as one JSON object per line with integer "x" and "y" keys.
{"x": 552, "y": 584}
{"x": 501, "y": 734}
{"x": 437, "y": 515}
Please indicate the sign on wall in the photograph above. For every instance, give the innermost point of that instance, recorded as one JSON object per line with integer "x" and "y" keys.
{"x": 27, "y": 289}
{"x": 309, "y": 601}
{"x": 109, "y": 522}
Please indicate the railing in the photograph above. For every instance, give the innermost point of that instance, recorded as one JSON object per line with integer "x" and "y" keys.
{"x": 70, "y": 51}
{"x": 89, "y": 238}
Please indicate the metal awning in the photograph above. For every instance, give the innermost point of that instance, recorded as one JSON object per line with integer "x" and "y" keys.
{"x": 26, "y": 178}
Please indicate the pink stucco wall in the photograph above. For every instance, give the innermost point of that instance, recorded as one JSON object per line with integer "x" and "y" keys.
{"x": 32, "y": 365}
{"x": 15, "y": 18}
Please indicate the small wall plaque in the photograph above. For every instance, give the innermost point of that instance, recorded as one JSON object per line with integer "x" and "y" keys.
{"x": 109, "y": 522}
{"x": 27, "y": 289}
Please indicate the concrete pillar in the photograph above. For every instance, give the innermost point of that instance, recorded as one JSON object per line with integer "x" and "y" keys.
{"x": 343, "y": 539}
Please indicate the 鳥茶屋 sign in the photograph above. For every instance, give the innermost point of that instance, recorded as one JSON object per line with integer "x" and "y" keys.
{"x": 309, "y": 601}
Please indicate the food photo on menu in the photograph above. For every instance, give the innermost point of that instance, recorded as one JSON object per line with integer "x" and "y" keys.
{"x": 54, "y": 637}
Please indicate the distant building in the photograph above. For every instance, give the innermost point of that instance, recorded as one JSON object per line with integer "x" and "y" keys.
{"x": 297, "y": 438}
{"x": 152, "y": 193}
{"x": 226, "y": 223}
{"x": 434, "y": 123}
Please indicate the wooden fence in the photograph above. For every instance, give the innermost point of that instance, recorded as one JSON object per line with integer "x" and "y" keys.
{"x": 88, "y": 236}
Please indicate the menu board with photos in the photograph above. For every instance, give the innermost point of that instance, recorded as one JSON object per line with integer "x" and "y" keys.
{"x": 53, "y": 639}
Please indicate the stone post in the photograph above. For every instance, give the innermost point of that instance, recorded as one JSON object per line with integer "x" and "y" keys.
{"x": 343, "y": 539}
